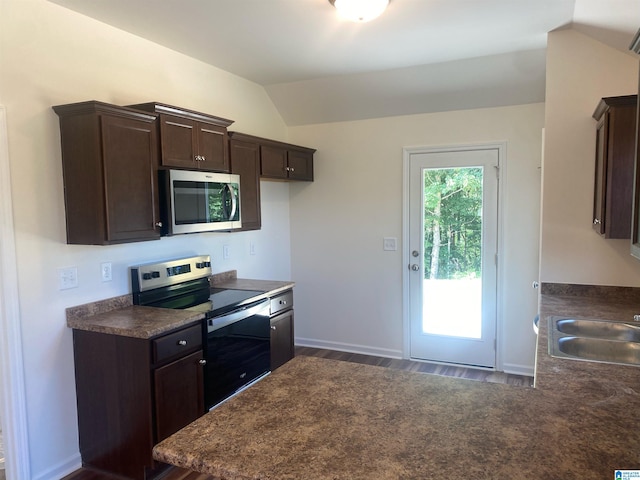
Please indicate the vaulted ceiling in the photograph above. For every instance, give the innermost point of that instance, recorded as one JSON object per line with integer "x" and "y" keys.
{"x": 420, "y": 56}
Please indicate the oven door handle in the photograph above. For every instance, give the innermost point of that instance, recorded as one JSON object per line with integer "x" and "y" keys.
{"x": 235, "y": 316}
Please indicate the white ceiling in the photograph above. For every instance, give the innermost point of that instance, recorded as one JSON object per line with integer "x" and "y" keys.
{"x": 419, "y": 56}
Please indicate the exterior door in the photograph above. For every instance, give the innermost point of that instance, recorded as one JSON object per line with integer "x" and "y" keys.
{"x": 453, "y": 239}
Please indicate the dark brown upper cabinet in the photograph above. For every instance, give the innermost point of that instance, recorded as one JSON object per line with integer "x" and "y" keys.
{"x": 615, "y": 155}
{"x": 189, "y": 139}
{"x": 109, "y": 162}
{"x": 284, "y": 161}
{"x": 244, "y": 153}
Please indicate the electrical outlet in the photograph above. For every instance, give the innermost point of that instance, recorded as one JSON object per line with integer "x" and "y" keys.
{"x": 252, "y": 248}
{"x": 225, "y": 252}
{"x": 390, "y": 244}
{"x": 67, "y": 278}
{"x": 105, "y": 268}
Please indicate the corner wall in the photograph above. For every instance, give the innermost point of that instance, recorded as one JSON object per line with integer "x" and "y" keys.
{"x": 48, "y": 56}
{"x": 580, "y": 71}
{"x": 348, "y": 290}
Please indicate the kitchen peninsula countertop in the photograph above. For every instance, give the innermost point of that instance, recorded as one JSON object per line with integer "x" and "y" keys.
{"x": 118, "y": 315}
{"x": 319, "y": 419}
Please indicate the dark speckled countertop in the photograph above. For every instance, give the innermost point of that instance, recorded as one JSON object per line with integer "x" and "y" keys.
{"x": 118, "y": 315}
{"x": 318, "y": 419}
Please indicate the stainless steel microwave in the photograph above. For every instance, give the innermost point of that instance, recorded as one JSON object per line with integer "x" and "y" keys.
{"x": 194, "y": 201}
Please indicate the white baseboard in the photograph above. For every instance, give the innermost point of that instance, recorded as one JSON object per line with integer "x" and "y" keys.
{"x": 516, "y": 369}
{"x": 349, "y": 347}
{"x": 62, "y": 469}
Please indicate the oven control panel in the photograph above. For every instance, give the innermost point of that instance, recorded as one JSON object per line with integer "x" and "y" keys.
{"x": 162, "y": 274}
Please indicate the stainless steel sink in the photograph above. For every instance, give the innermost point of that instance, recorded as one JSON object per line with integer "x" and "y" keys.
{"x": 599, "y": 329}
{"x": 595, "y": 349}
{"x": 595, "y": 340}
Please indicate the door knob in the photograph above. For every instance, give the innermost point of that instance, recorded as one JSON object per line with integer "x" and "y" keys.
{"x": 414, "y": 267}
{"x": 415, "y": 253}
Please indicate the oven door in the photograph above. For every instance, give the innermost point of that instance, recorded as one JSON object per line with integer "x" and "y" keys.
{"x": 237, "y": 351}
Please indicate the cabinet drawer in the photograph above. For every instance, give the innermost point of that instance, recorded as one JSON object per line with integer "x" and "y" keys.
{"x": 177, "y": 343}
{"x": 282, "y": 302}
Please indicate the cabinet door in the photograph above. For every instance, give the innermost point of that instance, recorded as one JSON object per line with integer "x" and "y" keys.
{"x": 273, "y": 162}
{"x": 282, "y": 349}
{"x": 300, "y": 165}
{"x": 620, "y": 154}
{"x": 130, "y": 176}
{"x": 179, "y": 394}
{"x": 245, "y": 161}
{"x": 178, "y": 142}
{"x": 600, "y": 176}
{"x": 213, "y": 148}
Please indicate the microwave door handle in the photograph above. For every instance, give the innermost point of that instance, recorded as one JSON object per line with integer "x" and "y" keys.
{"x": 234, "y": 201}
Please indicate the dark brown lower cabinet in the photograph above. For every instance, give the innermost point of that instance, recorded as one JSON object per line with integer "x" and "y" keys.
{"x": 131, "y": 394}
{"x": 282, "y": 344}
{"x": 282, "y": 349}
{"x": 179, "y": 399}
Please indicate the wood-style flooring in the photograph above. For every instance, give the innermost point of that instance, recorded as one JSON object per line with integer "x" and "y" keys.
{"x": 409, "y": 365}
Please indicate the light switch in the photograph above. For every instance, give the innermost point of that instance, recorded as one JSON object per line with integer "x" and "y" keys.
{"x": 68, "y": 278}
{"x": 390, "y": 244}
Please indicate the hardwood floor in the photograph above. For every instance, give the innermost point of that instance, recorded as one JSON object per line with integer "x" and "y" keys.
{"x": 409, "y": 365}
{"x": 421, "y": 367}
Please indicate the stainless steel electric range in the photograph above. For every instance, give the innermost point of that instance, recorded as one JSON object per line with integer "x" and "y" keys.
{"x": 236, "y": 331}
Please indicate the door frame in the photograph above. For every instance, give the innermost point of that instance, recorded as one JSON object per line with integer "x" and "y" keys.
{"x": 501, "y": 147}
{"x": 13, "y": 406}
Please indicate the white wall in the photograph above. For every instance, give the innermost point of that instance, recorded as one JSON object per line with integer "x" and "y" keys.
{"x": 580, "y": 71}
{"x": 52, "y": 56}
{"x": 348, "y": 290}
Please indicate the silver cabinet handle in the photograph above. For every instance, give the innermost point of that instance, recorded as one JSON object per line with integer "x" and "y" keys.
{"x": 273, "y": 327}
{"x": 159, "y": 224}
{"x": 202, "y": 362}
{"x": 283, "y": 302}
{"x": 596, "y": 221}
{"x": 182, "y": 343}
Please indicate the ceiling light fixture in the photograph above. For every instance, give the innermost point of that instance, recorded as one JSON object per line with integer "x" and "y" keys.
{"x": 360, "y": 10}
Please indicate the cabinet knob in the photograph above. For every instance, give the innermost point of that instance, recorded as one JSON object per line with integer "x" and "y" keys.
{"x": 283, "y": 302}
{"x": 202, "y": 361}
{"x": 292, "y": 169}
{"x": 596, "y": 221}
{"x": 182, "y": 343}
{"x": 273, "y": 327}
{"x": 159, "y": 224}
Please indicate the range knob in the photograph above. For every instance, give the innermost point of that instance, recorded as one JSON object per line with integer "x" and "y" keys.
{"x": 200, "y": 264}
{"x": 207, "y": 264}
{"x": 155, "y": 274}
{"x": 146, "y": 276}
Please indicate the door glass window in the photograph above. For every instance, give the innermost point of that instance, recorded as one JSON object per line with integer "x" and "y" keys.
{"x": 452, "y": 288}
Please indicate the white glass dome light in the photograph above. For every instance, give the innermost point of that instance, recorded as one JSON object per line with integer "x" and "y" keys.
{"x": 360, "y": 10}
